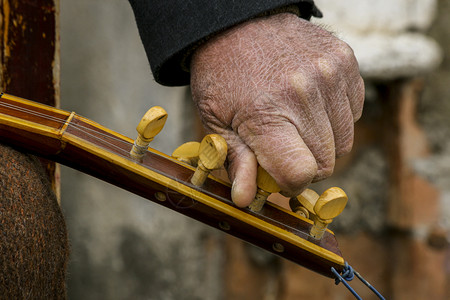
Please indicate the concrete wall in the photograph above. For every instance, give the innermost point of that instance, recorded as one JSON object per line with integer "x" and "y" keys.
{"x": 124, "y": 247}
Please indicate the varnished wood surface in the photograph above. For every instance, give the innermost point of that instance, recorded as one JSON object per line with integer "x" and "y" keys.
{"x": 95, "y": 150}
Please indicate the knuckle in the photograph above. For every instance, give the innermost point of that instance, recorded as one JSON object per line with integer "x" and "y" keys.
{"x": 344, "y": 49}
{"x": 327, "y": 67}
{"x": 302, "y": 84}
{"x": 344, "y": 58}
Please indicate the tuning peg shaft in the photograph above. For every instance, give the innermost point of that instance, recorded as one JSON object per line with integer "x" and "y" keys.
{"x": 150, "y": 125}
{"x": 212, "y": 153}
{"x": 329, "y": 205}
{"x": 266, "y": 186}
{"x": 297, "y": 208}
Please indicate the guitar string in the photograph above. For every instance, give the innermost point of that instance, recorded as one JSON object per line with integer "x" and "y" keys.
{"x": 125, "y": 154}
{"x": 122, "y": 152}
{"x": 61, "y": 121}
{"x": 87, "y": 130}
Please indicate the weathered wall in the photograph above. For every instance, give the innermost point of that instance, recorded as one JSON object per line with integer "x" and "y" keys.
{"x": 124, "y": 247}
{"x": 434, "y": 115}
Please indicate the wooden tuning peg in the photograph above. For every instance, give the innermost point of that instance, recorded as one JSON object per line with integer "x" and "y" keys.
{"x": 303, "y": 204}
{"x": 150, "y": 125}
{"x": 266, "y": 186}
{"x": 187, "y": 153}
{"x": 211, "y": 155}
{"x": 329, "y": 205}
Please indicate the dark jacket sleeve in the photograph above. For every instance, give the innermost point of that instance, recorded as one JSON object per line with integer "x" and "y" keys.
{"x": 169, "y": 28}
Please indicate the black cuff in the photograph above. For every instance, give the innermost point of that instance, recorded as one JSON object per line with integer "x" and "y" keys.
{"x": 170, "y": 29}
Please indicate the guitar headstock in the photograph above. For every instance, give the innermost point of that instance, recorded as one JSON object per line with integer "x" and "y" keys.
{"x": 168, "y": 181}
{"x": 298, "y": 235}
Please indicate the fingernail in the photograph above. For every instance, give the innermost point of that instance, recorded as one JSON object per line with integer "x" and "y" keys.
{"x": 234, "y": 193}
{"x": 237, "y": 193}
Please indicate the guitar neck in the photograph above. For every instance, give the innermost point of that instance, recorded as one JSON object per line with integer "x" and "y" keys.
{"x": 84, "y": 145}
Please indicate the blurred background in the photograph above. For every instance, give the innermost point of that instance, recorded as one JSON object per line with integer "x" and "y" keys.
{"x": 395, "y": 230}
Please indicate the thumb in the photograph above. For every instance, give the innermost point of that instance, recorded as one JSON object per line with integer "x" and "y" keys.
{"x": 242, "y": 166}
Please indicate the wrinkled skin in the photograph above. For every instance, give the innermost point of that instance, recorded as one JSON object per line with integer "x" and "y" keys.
{"x": 284, "y": 93}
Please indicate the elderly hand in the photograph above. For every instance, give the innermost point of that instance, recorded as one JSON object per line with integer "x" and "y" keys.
{"x": 284, "y": 93}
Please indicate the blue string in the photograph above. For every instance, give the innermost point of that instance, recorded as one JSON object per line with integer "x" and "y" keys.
{"x": 369, "y": 285}
{"x": 340, "y": 279}
{"x": 347, "y": 275}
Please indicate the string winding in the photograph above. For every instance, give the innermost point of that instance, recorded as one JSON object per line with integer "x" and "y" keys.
{"x": 348, "y": 273}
